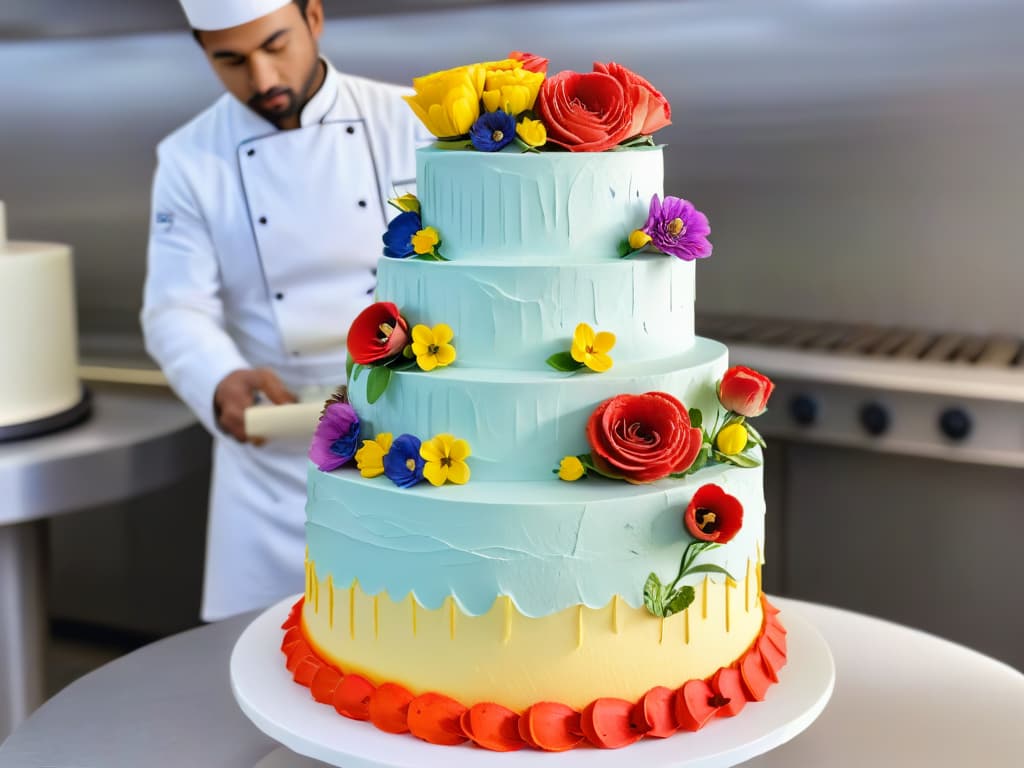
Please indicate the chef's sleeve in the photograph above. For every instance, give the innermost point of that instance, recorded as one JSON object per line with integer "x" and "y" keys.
{"x": 183, "y": 318}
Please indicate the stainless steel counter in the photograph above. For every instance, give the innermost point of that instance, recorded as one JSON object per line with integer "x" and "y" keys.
{"x": 137, "y": 439}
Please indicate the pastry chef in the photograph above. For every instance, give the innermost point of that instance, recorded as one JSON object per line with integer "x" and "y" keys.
{"x": 268, "y": 211}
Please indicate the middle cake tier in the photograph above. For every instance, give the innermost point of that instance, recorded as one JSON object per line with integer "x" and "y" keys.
{"x": 517, "y": 315}
{"x": 519, "y": 424}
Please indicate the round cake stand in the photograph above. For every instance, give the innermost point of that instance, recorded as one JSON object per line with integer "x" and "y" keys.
{"x": 286, "y": 712}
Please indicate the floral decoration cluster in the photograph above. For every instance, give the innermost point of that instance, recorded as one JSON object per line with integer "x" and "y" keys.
{"x": 406, "y": 237}
{"x": 713, "y": 517}
{"x": 589, "y": 350}
{"x": 405, "y": 460}
{"x": 648, "y": 437}
{"x": 489, "y": 105}
{"x": 380, "y": 339}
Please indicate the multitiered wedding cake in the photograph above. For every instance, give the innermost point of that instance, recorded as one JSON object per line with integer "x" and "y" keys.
{"x": 39, "y": 389}
{"x": 536, "y": 516}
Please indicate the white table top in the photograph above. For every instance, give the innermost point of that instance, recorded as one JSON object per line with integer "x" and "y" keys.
{"x": 902, "y": 698}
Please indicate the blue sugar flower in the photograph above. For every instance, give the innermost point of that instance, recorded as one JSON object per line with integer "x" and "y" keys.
{"x": 492, "y": 131}
{"x": 403, "y": 464}
{"x": 398, "y": 238}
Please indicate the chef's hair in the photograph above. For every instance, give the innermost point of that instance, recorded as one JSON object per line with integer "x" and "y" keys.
{"x": 302, "y": 9}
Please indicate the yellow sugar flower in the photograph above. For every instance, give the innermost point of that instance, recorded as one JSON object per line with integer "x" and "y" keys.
{"x": 448, "y": 102}
{"x": 432, "y": 346}
{"x": 407, "y": 202}
{"x": 638, "y": 239}
{"x": 532, "y": 132}
{"x": 592, "y": 349}
{"x": 425, "y": 240}
{"x": 370, "y": 458}
{"x": 732, "y": 439}
{"x": 571, "y": 469}
{"x": 511, "y": 90}
{"x": 445, "y": 458}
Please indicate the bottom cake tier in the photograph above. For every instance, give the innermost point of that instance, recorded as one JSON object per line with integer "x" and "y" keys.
{"x": 546, "y": 724}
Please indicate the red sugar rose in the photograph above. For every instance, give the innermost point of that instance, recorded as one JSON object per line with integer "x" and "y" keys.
{"x": 587, "y": 112}
{"x": 378, "y": 333}
{"x": 643, "y": 438}
{"x": 650, "y": 109}
{"x": 745, "y": 391}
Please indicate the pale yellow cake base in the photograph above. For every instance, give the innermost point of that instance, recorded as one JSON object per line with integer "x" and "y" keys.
{"x": 573, "y": 657}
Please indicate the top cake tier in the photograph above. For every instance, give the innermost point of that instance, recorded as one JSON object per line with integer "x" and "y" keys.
{"x": 551, "y": 208}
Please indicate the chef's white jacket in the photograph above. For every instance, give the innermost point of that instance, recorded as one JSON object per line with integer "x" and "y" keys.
{"x": 262, "y": 249}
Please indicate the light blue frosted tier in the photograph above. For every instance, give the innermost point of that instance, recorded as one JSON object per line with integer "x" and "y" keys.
{"x": 549, "y": 208}
{"x": 519, "y": 424}
{"x": 549, "y": 545}
{"x": 517, "y": 315}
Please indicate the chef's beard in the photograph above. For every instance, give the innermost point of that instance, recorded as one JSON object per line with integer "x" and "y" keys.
{"x": 294, "y": 105}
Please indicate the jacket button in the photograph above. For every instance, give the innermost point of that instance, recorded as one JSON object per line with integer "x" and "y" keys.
{"x": 251, "y": 152}
{"x": 351, "y": 129}
{"x": 263, "y": 219}
{"x": 362, "y": 203}
{"x": 278, "y": 296}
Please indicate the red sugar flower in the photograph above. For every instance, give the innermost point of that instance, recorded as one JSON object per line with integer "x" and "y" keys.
{"x": 378, "y": 333}
{"x": 643, "y": 438}
{"x": 713, "y": 515}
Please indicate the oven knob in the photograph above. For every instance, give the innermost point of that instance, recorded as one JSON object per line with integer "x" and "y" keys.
{"x": 804, "y": 410}
{"x": 875, "y": 419}
{"x": 955, "y": 423}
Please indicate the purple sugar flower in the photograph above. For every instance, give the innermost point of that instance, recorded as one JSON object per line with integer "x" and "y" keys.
{"x": 678, "y": 229}
{"x": 336, "y": 437}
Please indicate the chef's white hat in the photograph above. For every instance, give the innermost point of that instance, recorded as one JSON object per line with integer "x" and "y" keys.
{"x": 220, "y": 14}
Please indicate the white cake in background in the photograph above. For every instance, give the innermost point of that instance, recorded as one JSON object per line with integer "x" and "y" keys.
{"x": 38, "y": 331}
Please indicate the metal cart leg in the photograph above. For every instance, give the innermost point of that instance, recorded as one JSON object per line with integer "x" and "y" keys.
{"x": 23, "y": 634}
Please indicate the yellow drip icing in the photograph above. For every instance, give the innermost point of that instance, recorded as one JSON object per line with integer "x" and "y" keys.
{"x": 506, "y": 635}
{"x": 704, "y": 599}
{"x": 330, "y": 597}
{"x": 316, "y": 593}
{"x": 746, "y": 588}
{"x": 580, "y": 650}
{"x": 729, "y": 584}
{"x": 352, "y": 611}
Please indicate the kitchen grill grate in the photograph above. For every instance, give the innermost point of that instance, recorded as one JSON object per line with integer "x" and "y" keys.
{"x": 904, "y": 344}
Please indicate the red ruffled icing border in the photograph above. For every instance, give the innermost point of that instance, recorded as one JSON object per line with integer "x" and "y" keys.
{"x": 607, "y": 723}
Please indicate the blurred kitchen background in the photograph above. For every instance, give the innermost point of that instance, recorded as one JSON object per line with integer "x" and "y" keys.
{"x": 863, "y": 168}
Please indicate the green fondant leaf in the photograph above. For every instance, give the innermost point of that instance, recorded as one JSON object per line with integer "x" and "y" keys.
{"x": 637, "y": 141}
{"x": 755, "y": 435}
{"x": 401, "y": 363}
{"x": 562, "y": 361}
{"x": 696, "y": 418}
{"x": 377, "y": 383}
{"x": 739, "y": 460}
{"x": 708, "y": 568}
{"x": 349, "y": 364}
{"x": 356, "y": 370}
{"x": 654, "y": 595}
{"x": 679, "y": 600}
{"x": 454, "y": 144}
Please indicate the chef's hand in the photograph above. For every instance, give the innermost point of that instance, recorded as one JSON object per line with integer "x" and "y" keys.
{"x": 237, "y": 391}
